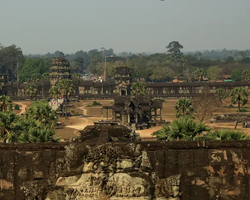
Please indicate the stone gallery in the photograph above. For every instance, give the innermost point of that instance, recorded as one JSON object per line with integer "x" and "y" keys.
{"x": 119, "y": 85}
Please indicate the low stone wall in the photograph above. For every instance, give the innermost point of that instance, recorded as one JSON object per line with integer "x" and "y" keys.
{"x": 121, "y": 170}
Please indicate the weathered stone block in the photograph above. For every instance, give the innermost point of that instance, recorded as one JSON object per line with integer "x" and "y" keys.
{"x": 200, "y": 157}
{"x": 199, "y": 192}
{"x": 171, "y": 157}
{"x": 185, "y": 157}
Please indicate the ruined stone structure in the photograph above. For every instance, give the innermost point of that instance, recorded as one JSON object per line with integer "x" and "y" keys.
{"x": 120, "y": 85}
{"x": 135, "y": 111}
{"x": 108, "y": 165}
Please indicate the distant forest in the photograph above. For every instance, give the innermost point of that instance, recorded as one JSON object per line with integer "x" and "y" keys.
{"x": 158, "y": 67}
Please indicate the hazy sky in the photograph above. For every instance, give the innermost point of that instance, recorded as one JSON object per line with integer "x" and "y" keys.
{"x": 41, "y": 26}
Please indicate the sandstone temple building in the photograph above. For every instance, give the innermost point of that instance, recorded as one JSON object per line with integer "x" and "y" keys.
{"x": 120, "y": 85}
{"x": 137, "y": 111}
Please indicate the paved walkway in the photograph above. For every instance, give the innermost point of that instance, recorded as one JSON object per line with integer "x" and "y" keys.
{"x": 55, "y": 103}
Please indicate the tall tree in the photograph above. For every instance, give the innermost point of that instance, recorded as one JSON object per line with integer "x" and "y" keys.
{"x": 66, "y": 87}
{"x": 55, "y": 92}
{"x": 239, "y": 96}
{"x": 205, "y": 104}
{"x": 184, "y": 107}
{"x": 11, "y": 59}
{"x": 174, "y": 48}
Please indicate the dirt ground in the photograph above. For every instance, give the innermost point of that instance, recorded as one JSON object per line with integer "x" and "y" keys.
{"x": 88, "y": 115}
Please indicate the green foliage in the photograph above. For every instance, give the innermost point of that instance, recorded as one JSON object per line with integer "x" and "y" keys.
{"x": 184, "y": 107}
{"x": 245, "y": 76}
{"x": 7, "y": 125}
{"x": 138, "y": 88}
{"x": 174, "y": 48}
{"x": 42, "y": 134}
{"x": 66, "y": 87}
{"x": 243, "y": 110}
{"x": 214, "y": 73}
{"x": 199, "y": 74}
{"x": 55, "y": 92}
{"x": 225, "y": 135}
{"x": 77, "y": 76}
{"x": 33, "y": 69}
{"x": 11, "y": 60}
{"x": 183, "y": 129}
{"x": 95, "y": 103}
{"x": 239, "y": 96}
{"x": 35, "y": 126}
{"x": 221, "y": 93}
{"x": 5, "y": 103}
{"x": 41, "y": 111}
{"x": 16, "y": 107}
{"x": 236, "y": 74}
{"x": 31, "y": 90}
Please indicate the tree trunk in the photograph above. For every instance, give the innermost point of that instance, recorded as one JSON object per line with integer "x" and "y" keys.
{"x": 239, "y": 105}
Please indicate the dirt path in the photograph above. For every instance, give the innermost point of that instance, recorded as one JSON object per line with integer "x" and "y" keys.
{"x": 22, "y": 106}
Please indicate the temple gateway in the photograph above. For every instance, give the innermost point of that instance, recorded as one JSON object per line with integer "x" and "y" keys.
{"x": 136, "y": 111}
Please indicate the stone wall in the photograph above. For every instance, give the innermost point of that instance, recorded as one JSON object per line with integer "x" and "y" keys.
{"x": 122, "y": 170}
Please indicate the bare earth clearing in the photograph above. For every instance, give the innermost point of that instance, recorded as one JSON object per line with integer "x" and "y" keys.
{"x": 88, "y": 115}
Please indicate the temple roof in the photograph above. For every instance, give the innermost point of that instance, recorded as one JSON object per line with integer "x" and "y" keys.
{"x": 157, "y": 103}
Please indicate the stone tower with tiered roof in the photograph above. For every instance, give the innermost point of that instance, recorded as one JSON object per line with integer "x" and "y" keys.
{"x": 60, "y": 69}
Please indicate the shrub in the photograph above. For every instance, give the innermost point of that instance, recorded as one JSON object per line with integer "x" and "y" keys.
{"x": 95, "y": 103}
{"x": 243, "y": 110}
{"x": 225, "y": 134}
{"x": 16, "y": 107}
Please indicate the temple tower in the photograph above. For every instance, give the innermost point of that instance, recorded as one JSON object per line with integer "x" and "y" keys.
{"x": 123, "y": 80}
{"x": 60, "y": 69}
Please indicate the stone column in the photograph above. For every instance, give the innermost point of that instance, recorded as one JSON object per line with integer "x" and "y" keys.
{"x": 107, "y": 114}
{"x": 136, "y": 118}
{"x": 161, "y": 113}
{"x": 102, "y": 113}
{"x": 129, "y": 118}
{"x": 155, "y": 114}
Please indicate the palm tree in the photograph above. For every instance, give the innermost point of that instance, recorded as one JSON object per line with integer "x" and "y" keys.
{"x": 200, "y": 73}
{"x": 245, "y": 76}
{"x": 239, "y": 96}
{"x": 42, "y": 134}
{"x": 7, "y": 124}
{"x": 225, "y": 135}
{"x": 41, "y": 111}
{"x": 45, "y": 75}
{"x": 5, "y": 103}
{"x": 138, "y": 88}
{"x": 55, "y": 92}
{"x": 77, "y": 76}
{"x": 184, "y": 129}
{"x": 66, "y": 87}
{"x": 184, "y": 107}
{"x": 221, "y": 93}
{"x": 31, "y": 91}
